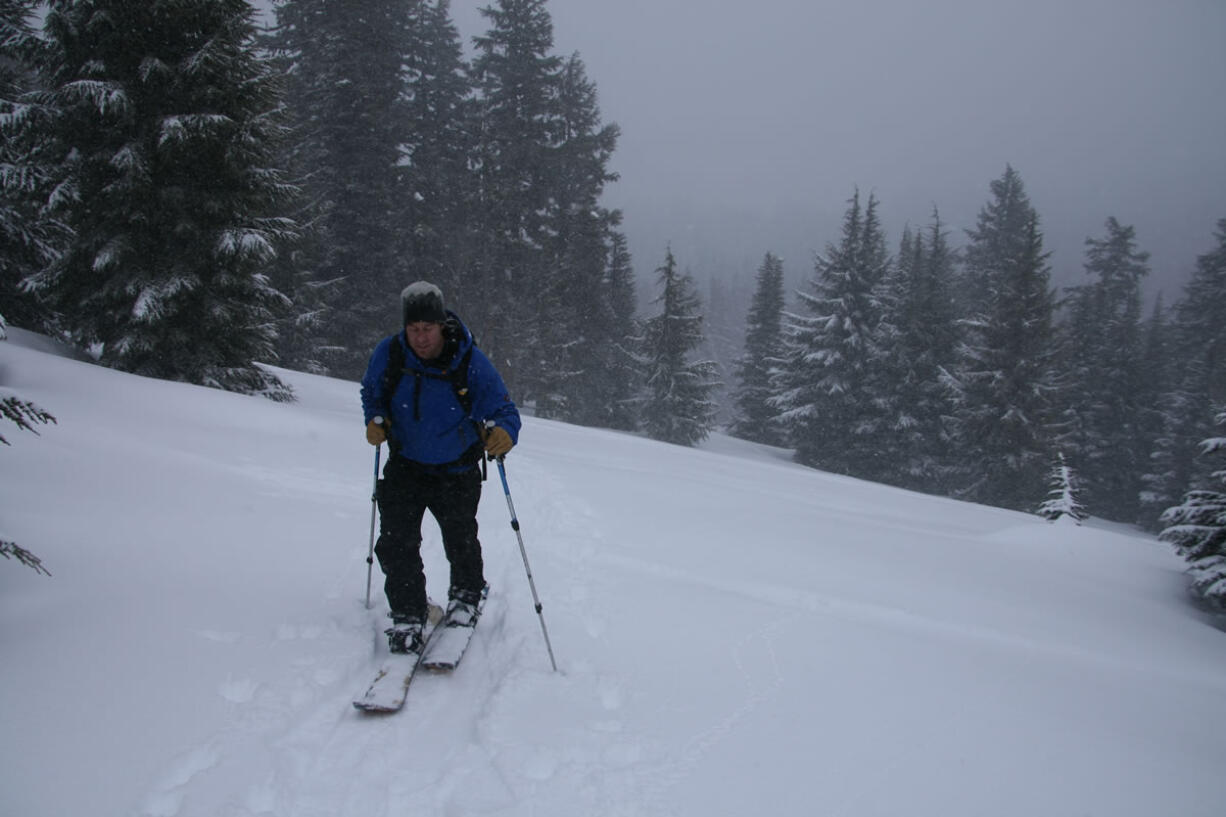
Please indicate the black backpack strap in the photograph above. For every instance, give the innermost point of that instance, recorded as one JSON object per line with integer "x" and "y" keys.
{"x": 392, "y": 374}
{"x": 391, "y": 381}
{"x": 459, "y": 381}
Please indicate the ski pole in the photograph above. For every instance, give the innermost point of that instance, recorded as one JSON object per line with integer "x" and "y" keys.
{"x": 502, "y": 472}
{"x": 374, "y": 504}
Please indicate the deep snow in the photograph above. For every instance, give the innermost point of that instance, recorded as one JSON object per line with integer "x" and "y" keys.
{"x": 737, "y": 635}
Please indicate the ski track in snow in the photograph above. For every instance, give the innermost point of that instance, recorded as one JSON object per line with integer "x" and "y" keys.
{"x": 457, "y": 746}
{"x": 168, "y": 800}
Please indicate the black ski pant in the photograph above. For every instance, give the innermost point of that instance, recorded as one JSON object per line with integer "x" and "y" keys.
{"x": 405, "y": 493}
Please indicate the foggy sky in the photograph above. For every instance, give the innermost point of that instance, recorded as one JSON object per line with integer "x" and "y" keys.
{"x": 746, "y": 127}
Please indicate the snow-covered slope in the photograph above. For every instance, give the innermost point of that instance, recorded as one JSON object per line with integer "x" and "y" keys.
{"x": 737, "y": 635}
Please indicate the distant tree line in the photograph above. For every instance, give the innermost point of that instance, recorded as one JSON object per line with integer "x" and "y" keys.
{"x": 964, "y": 373}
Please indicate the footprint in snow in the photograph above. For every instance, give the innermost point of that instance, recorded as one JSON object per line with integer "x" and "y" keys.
{"x": 238, "y": 690}
{"x": 168, "y": 800}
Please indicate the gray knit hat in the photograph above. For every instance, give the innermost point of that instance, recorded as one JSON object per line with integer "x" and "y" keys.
{"x": 422, "y": 301}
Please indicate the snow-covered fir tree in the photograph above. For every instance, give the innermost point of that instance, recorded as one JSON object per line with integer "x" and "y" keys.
{"x": 1063, "y": 501}
{"x": 756, "y": 418}
{"x": 598, "y": 346}
{"x": 826, "y": 386}
{"x": 517, "y": 77}
{"x": 1155, "y": 379}
{"x": 541, "y": 241}
{"x": 1199, "y": 316}
{"x": 26, "y": 241}
{"x": 1197, "y": 355}
{"x": 917, "y": 353}
{"x": 1197, "y": 528}
{"x": 436, "y": 189}
{"x": 577, "y": 330}
{"x": 162, "y": 125}
{"x": 343, "y": 66}
{"x": 1101, "y": 357}
{"x": 29, "y": 238}
{"x": 1172, "y": 466}
{"x": 614, "y": 391}
{"x": 726, "y": 303}
{"x": 1005, "y": 376}
{"x": 677, "y": 407}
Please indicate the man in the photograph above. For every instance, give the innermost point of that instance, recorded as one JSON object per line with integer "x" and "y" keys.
{"x": 441, "y": 406}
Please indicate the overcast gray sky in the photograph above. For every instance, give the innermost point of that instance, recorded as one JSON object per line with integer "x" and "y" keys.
{"x": 747, "y": 126}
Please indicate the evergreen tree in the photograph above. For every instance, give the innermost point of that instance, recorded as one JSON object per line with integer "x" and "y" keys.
{"x": 1155, "y": 384}
{"x": 1171, "y": 470}
{"x": 29, "y": 239}
{"x": 1102, "y": 353}
{"x": 1063, "y": 501}
{"x": 576, "y": 324}
{"x": 1154, "y": 374}
{"x": 1198, "y": 349}
{"x": 756, "y": 417}
{"x": 1197, "y": 528}
{"x": 518, "y": 82}
{"x": 1199, "y": 316}
{"x": 619, "y": 380}
{"x": 677, "y": 408}
{"x": 1102, "y": 378}
{"x": 602, "y": 390}
{"x": 162, "y": 123}
{"x": 437, "y": 189}
{"x": 1005, "y": 377}
{"x": 25, "y": 242}
{"x": 831, "y": 375}
{"x": 344, "y": 67}
{"x": 920, "y": 350}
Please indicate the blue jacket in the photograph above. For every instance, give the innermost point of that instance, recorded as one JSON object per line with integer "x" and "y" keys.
{"x": 427, "y": 420}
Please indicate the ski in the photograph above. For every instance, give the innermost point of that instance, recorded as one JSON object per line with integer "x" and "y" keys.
{"x": 391, "y": 685}
{"x": 445, "y": 649}
{"x": 387, "y": 692}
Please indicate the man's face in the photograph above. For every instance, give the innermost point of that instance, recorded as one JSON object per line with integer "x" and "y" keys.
{"x": 425, "y": 338}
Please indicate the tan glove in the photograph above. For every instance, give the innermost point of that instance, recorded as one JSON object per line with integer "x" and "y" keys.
{"x": 498, "y": 442}
{"x": 375, "y": 433}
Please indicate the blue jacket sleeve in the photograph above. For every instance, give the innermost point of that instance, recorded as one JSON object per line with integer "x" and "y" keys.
{"x": 491, "y": 401}
{"x": 374, "y": 402}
